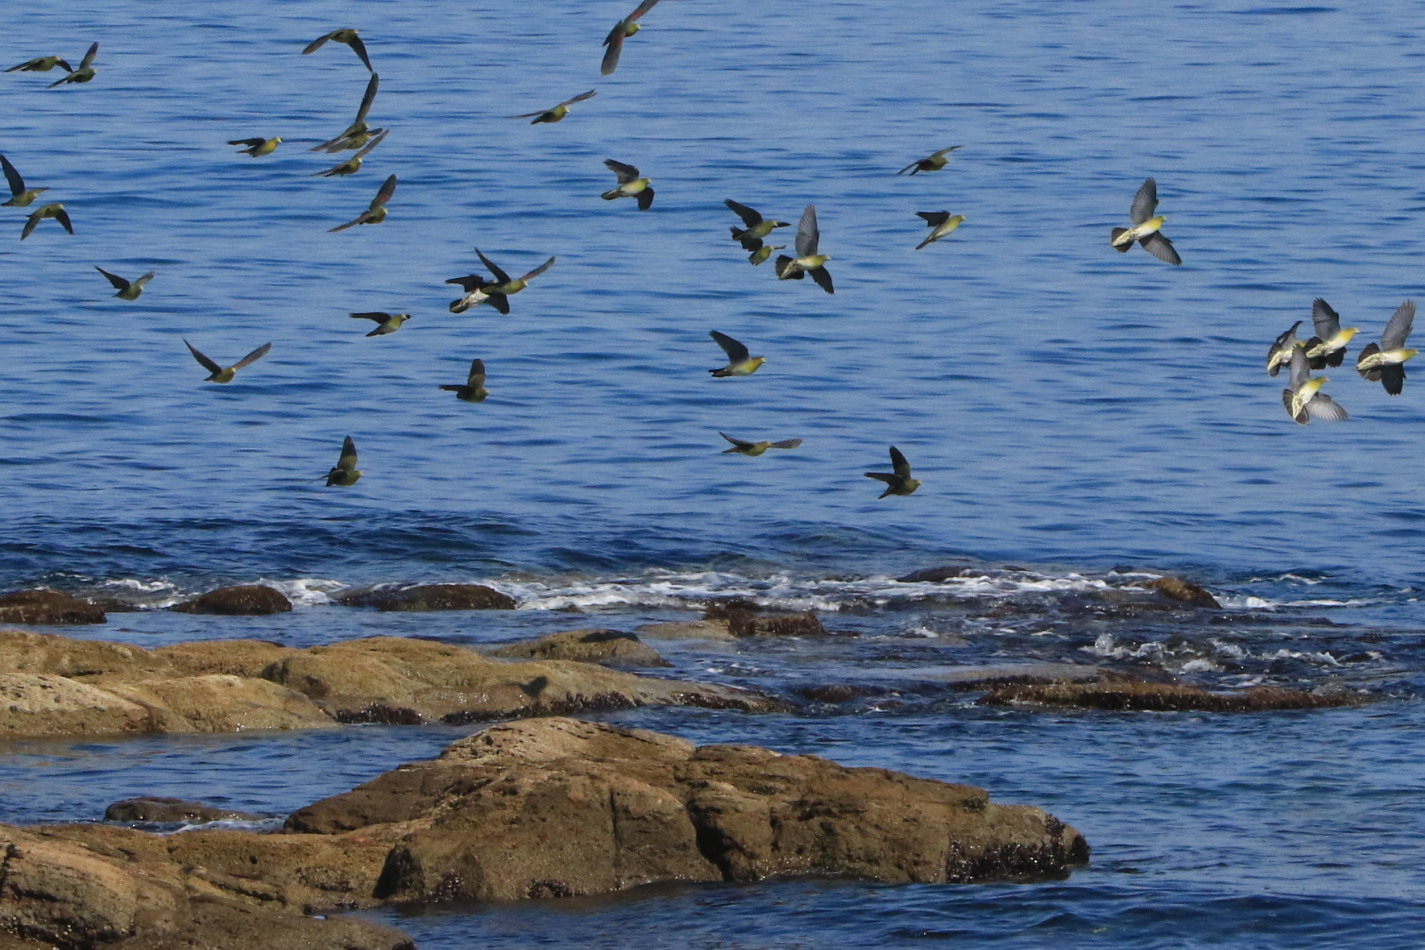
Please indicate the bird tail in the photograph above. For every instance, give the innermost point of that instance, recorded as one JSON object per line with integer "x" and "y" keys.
{"x": 1113, "y": 237}
{"x": 610, "y": 195}
{"x": 785, "y": 271}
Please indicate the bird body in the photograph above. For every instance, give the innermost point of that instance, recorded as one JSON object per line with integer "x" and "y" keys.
{"x": 386, "y": 322}
{"x": 127, "y": 289}
{"x": 42, "y": 64}
{"x": 1280, "y": 353}
{"x": 808, "y": 260}
{"x": 257, "y": 146}
{"x": 1303, "y": 397}
{"x": 941, "y": 223}
{"x": 1385, "y": 363}
{"x": 755, "y": 449}
{"x": 757, "y": 227}
{"x": 353, "y": 164}
{"x": 1146, "y": 229}
{"x": 358, "y": 133}
{"x": 931, "y": 163}
{"x": 630, "y": 185}
{"x": 348, "y": 37}
{"x": 497, "y": 291}
{"x": 20, "y": 196}
{"x": 898, "y": 482}
{"x": 763, "y": 252}
{"x": 557, "y": 112}
{"x": 375, "y": 213}
{"x": 1328, "y": 346}
{"x": 52, "y": 210}
{"x": 344, "y": 472}
{"x": 473, "y": 389}
{"x": 622, "y": 30}
{"x": 225, "y": 374}
{"x": 84, "y": 73}
{"x": 740, "y": 361}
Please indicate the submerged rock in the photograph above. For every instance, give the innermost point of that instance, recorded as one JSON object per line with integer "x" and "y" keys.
{"x": 1121, "y": 691}
{"x": 605, "y": 647}
{"x": 153, "y": 808}
{"x": 1186, "y": 592}
{"x": 746, "y": 619}
{"x": 427, "y": 597}
{"x": 936, "y": 575}
{"x": 245, "y": 600}
{"x": 46, "y": 607}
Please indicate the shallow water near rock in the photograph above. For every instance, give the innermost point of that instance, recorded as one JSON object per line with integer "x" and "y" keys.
{"x": 1081, "y": 421}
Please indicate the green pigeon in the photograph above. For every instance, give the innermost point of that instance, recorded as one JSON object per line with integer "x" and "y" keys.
{"x": 1385, "y": 363}
{"x": 52, "y": 210}
{"x": 1280, "y": 353}
{"x": 1146, "y": 227}
{"x": 1303, "y": 397}
{"x": 1328, "y": 346}
{"x": 757, "y": 227}
{"x": 740, "y": 361}
{"x": 498, "y": 291}
{"x": 622, "y": 30}
{"x": 20, "y": 196}
{"x": 358, "y": 133}
{"x": 375, "y": 213}
{"x": 931, "y": 163}
{"x": 473, "y": 389}
{"x": 386, "y": 322}
{"x": 556, "y": 113}
{"x": 84, "y": 73}
{"x": 629, "y": 185}
{"x": 807, "y": 261}
{"x": 348, "y": 37}
{"x": 225, "y": 374}
{"x": 344, "y": 472}
{"x": 764, "y": 252}
{"x": 353, "y": 164}
{"x": 127, "y": 289}
{"x": 941, "y": 223}
{"x": 42, "y": 64}
{"x": 898, "y": 482}
{"x": 755, "y": 449}
{"x": 258, "y": 146}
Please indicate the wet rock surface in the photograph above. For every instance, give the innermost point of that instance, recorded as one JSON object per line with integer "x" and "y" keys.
{"x": 1121, "y": 691}
{"x": 157, "y": 809}
{"x": 427, "y": 597}
{"x": 45, "y": 607}
{"x": 605, "y": 647}
{"x": 246, "y": 600}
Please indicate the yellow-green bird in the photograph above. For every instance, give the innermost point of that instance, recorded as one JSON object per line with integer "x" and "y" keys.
{"x": 1385, "y": 363}
{"x": 498, "y": 291}
{"x": 358, "y": 133}
{"x": 348, "y": 37}
{"x": 941, "y": 223}
{"x": 353, "y": 164}
{"x": 1280, "y": 353}
{"x": 622, "y": 30}
{"x": 473, "y": 390}
{"x": 754, "y": 449}
{"x": 1145, "y": 228}
{"x": 20, "y": 196}
{"x": 556, "y": 113}
{"x": 898, "y": 482}
{"x": 1303, "y": 398}
{"x": 386, "y": 322}
{"x": 764, "y": 252}
{"x": 52, "y": 210}
{"x": 258, "y": 146}
{"x": 740, "y": 361}
{"x": 807, "y": 261}
{"x": 630, "y": 185}
{"x": 757, "y": 227}
{"x": 344, "y": 472}
{"x": 1328, "y": 346}
{"x": 127, "y": 289}
{"x": 42, "y": 64}
{"x": 84, "y": 73}
{"x": 931, "y": 163}
{"x": 375, "y": 213}
{"x": 225, "y": 374}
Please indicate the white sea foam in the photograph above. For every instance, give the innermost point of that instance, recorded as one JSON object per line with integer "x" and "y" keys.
{"x": 305, "y": 591}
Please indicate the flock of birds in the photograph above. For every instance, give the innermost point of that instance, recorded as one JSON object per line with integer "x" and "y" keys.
{"x": 1303, "y": 398}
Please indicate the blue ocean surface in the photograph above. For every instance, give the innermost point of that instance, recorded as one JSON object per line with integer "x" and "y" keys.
{"x": 1079, "y": 419}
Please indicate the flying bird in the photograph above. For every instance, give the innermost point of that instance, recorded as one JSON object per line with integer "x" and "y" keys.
{"x": 740, "y": 362}
{"x": 84, "y": 73}
{"x": 807, "y": 261}
{"x": 257, "y": 146}
{"x": 621, "y": 31}
{"x": 52, "y": 210}
{"x": 1280, "y": 353}
{"x": 127, "y": 289}
{"x": 764, "y": 252}
{"x": 1385, "y": 363}
{"x": 1145, "y": 227}
{"x": 757, "y": 227}
{"x": 755, "y": 449}
{"x": 497, "y": 291}
{"x": 344, "y": 472}
{"x": 375, "y": 213}
{"x": 629, "y": 184}
{"x": 931, "y": 163}
{"x": 348, "y": 37}
{"x": 898, "y": 482}
{"x": 556, "y": 113}
{"x": 386, "y": 322}
{"x": 20, "y": 196}
{"x": 42, "y": 64}
{"x": 225, "y": 374}
{"x": 358, "y": 133}
{"x": 1328, "y": 346}
{"x": 353, "y": 164}
{"x": 941, "y": 223}
{"x": 473, "y": 389}
{"x": 1303, "y": 398}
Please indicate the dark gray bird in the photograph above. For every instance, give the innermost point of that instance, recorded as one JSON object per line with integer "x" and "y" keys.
{"x": 807, "y": 261}
{"x": 42, "y": 64}
{"x": 358, "y": 133}
{"x": 225, "y": 374}
{"x": 754, "y": 449}
{"x": 20, "y": 196}
{"x": 473, "y": 389}
{"x": 557, "y": 112}
{"x": 386, "y": 322}
{"x": 1385, "y": 363}
{"x": 348, "y": 37}
{"x": 127, "y": 289}
{"x": 898, "y": 482}
{"x": 344, "y": 472}
{"x": 52, "y": 210}
{"x": 622, "y": 30}
{"x": 375, "y": 213}
{"x": 740, "y": 361}
{"x": 757, "y": 227}
{"x": 931, "y": 163}
{"x": 630, "y": 185}
{"x": 498, "y": 291}
{"x": 1145, "y": 227}
{"x": 84, "y": 73}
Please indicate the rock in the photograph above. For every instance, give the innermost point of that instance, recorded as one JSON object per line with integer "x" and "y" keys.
{"x": 1175, "y": 588}
{"x": 746, "y": 624}
{"x": 218, "y": 702}
{"x": 47, "y": 705}
{"x": 606, "y": 647}
{"x": 25, "y": 652}
{"x": 1120, "y": 691}
{"x": 45, "y": 607}
{"x": 558, "y": 807}
{"x": 427, "y": 597}
{"x": 936, "y": 575}
{"x": 156, "y": 809}
{"x": 245, "y": 600}
{"x": 684, "y": 630}
{"x": 234, "y": 657}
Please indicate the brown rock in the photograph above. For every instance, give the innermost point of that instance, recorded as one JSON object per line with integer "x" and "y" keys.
{"x": 47, "y": 705}
{"x": 25, "y": 652}
{"x": 245, "y": 600}
{"x": 234, "y": 657}
{"x": 45, "y": 607}
{"x": 221, "y": 703}
{"x": 1175, "y": 588}
{"x": 936, "y": 575}
{"x": 152, "y": 808}
{"x": 606, "y": 647}
{"x": 1123, "y": 692}
{"x": 427, "y": 597}
{"x": 746, "y": 624}
{"x": 685, "y": 630}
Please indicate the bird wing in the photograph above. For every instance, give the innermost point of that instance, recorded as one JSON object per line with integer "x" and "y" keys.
{"x": 1278, "y": 354}
{"x": 388, "y": 188}
{"x": 614, "y": 42}
{"x": 528, "y": 115}
{"x": 886, "y": 477}
{"x": 143, "y": 280}
{"x": 1393, "y": 337}
{"x": 823, "y": 279}
{"x": 626, "y": 173}
{"x": 910, "y": 166}
{"x": 749, "y": 216}
{"x": 356, "y": 43}
{"x": 500, "y": 302}
{"x": 737, "y": 442}
{"x": 250, "y": 143}
{"x": 1300, "y": 369}
{"x": 375, "y": 141}
{"x": 808, "y": 234}
{"x": 1161, "y": 248}
{"x": 378, "y": 317}
{"x": 118, "y": 282}
{"x": 539, "y": 270}
{"x": 1145, "y": 202}
{"x": 643, "y": 8}
{"x": 1325, "y": 408}
{"x": 469, "y": 282}
{"x": 352, "y": 223}
{"x": 317, "y": 43}
{"x": 347, "y": 462}
{"x": 62, "y": 217}
{"x": 934, "y": 219}
{"x": 500, "y": 275}
{"x": 30, "y": 224}
{"x": 645, "y": 198}
{"x": 1392, "y": 377}
{"x": 368, "y": 98}
{"x": 1326, "y": 320}
{"x": 88, "y": 59}
{"x": 17, "y": 184}
{"x": 253, "y": 357}
{"x": 579, "y": 98}
{"x": 899, "y": 463}
{"x": 736, "y": 352}
{"x": 476, "y": 379}
{"x": 786, "y": 444}
{"x": 206, "y": 363}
